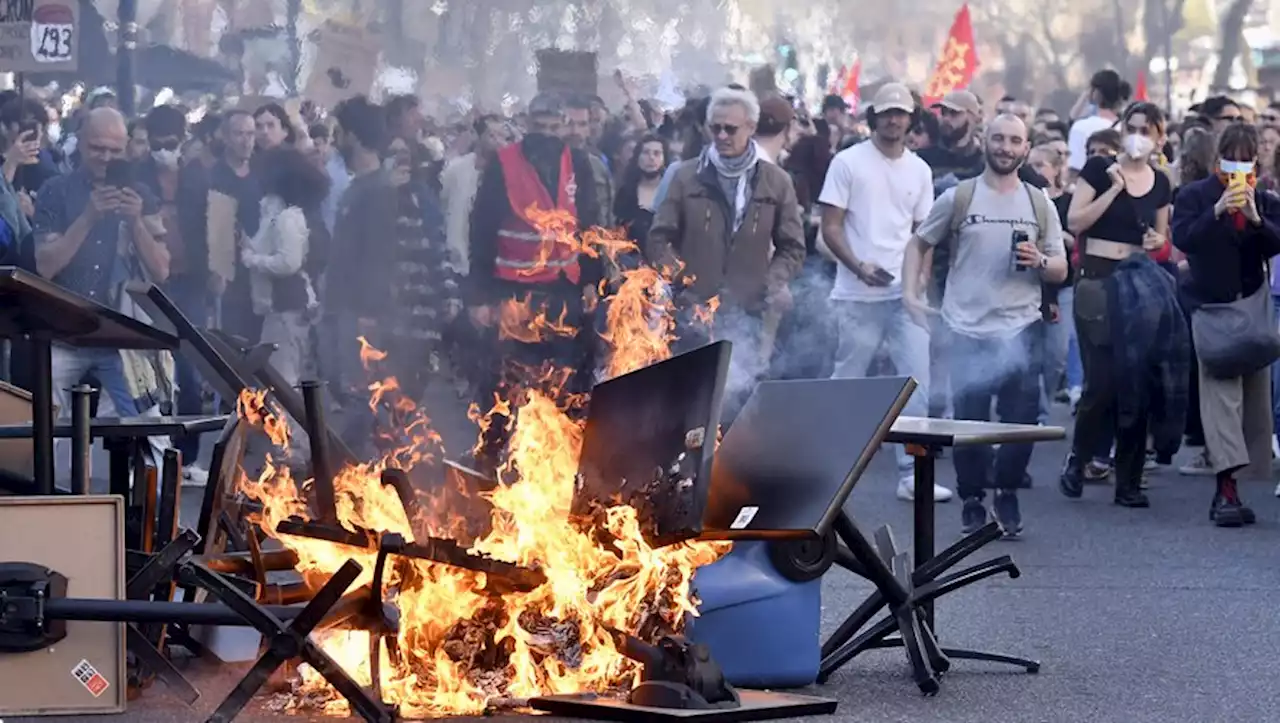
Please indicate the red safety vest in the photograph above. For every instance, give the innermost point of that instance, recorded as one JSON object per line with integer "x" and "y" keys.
{"x": 520, "y": 245}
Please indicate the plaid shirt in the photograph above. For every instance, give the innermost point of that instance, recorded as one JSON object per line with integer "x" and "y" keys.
{"x": 1152, "y": 350}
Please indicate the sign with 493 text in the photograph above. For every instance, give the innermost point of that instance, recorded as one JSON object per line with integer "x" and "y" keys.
{"x": 39, "y": 36}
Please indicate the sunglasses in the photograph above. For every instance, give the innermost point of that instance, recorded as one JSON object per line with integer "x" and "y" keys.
{"x": 171, "y": 144}
{"x": 718, "y": 128}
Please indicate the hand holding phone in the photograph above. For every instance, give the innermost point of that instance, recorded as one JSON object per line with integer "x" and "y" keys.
{"x": 873, "y": 275}
{"x": 119, "y": 173}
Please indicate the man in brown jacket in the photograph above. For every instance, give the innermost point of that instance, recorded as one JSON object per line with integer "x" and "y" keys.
{"x": 734, "y": 222}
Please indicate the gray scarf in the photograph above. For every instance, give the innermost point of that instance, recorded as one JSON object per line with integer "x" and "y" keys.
{"x": 734, "y": 175}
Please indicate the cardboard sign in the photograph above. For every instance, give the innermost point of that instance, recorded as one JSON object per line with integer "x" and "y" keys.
{"x": 346, "y": 64}
{"x": 39, "y": 35}
{"x": 567, "y": 71}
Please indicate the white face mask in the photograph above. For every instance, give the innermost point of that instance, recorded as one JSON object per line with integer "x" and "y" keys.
{"x": 1236, "y": 166}
{"x": 166, "y": 158}
{"x": 1138, "y": 146}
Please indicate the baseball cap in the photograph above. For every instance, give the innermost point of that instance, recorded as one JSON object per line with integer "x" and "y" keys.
{"x": 776, "y": 115}
{"x": 893, "y": 96}
{"x": 962, "y": 101}
{"x": 834, "y": 102}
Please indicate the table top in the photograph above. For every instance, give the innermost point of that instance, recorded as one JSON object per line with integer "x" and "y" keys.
{"x": 117, "y": 427}
{"x": 29, "y": 303}
{"x": 958, "y": 433}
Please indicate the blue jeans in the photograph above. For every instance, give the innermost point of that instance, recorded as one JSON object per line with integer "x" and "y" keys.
{"x": 1057, "y": 344}
{"x": 866, "y": 325}
{"x": 1004, "y": 370}
{"x": 1075, "y": 369}
{"x": 191, "y": 296}
{"x": 70, "y": 366}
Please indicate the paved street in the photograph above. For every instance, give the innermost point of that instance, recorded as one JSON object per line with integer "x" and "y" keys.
{"x": 1137, "y": 615}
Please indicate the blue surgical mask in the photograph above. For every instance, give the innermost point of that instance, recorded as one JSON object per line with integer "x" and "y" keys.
{"x": 1236, "y": 166}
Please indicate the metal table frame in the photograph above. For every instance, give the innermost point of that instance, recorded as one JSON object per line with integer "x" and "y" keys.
{"x": 909, "y": 590}
{"x": 45, "y": 312}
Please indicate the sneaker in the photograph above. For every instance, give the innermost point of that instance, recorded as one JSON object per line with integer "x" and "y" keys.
{"x": 907, "y": 490}
{"x": 1198, "y": 466}
{"x": 1150, "y": 464}
{"x": 1071, "y": 482}
{"x": 1007, "y": 513}
{"x": 1096, "y": 471}
{"x": 1073, "y": 397}
{"x": 195, "y": 476}
{"x": 973, "y": 516}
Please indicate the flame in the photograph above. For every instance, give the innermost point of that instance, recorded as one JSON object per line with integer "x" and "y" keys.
{"x": 461, "y": 646}
{"x": 518, "y": 320}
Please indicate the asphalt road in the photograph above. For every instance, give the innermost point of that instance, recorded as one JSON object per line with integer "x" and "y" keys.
{"x": 1136, "y": 615}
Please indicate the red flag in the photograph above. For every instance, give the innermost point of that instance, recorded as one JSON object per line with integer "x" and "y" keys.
{"x": 959, "y": 61}
{"x": 850, "y": 92}
{"x": 1140, "y": 92}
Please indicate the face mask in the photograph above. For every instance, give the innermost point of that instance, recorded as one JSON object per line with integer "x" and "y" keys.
{"x": 1138, "y": 146}
{"x": 166, "y": 157}
{"x": 1236, "y": 166}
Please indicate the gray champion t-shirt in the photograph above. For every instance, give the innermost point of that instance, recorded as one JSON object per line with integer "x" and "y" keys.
{"x": 985, "y": 297}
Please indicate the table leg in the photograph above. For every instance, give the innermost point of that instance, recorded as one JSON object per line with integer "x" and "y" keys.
{"x": 81, "y": 441}
{"x": 923, "y": 521}
{"x": 120, "y": 467}
{"x": 42, "y": 412}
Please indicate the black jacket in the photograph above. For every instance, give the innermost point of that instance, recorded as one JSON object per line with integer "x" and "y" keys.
{"x": 1225, "y": 261}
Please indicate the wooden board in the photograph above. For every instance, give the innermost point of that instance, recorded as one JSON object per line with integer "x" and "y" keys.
{"x": 567, "y": 71}
{"x": 346, "y": 64}
{"x": 16, "y": 455}
{"x": 83, "y": 539}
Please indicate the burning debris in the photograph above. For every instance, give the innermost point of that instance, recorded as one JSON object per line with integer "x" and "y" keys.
{"x": 464, "y": 643}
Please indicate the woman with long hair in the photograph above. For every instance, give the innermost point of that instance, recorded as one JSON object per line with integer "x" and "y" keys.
{"x": 633, "y": 206}
{"x": 273, "y": 127}
{"x": 287, "y": 255}
{"x": 1229, "y": 231}
{"x": 1120, "y": 207}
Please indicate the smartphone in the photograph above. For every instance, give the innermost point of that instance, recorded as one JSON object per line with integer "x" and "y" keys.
{"x": 119, "y": 173}
{"x": 884, "y": 277}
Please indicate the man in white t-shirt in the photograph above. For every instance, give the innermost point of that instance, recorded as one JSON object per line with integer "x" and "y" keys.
{"x": 875, "y": 194}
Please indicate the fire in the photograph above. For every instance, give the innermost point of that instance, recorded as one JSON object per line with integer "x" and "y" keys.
{"x": 461, "y": 646}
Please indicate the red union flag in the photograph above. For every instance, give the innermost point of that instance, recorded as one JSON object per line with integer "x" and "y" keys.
{"x": 959, "y": 61}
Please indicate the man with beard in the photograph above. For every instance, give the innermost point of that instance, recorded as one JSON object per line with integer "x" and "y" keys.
{"x": 874, "y": 196}
{"x": 958, "y": 152}
{"x": 514, "y": 262}
{"x": 357, "y": 287}
{"x": 1004, "y": 246}
{"x": 577, "y": 133}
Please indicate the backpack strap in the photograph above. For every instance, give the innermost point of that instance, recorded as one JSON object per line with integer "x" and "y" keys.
{"x": 964, "y": 198}
{"x": 960, "y": 211}
{"x": 1040, "y": 206}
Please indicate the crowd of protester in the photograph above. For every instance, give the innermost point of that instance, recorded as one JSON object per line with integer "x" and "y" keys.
{"x": 1003, "y": 256}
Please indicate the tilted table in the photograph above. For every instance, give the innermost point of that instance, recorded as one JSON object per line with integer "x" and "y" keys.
{"x": 909, "y": 594}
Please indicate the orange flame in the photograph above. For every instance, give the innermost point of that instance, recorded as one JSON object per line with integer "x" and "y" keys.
{"x": 461, "y": 646}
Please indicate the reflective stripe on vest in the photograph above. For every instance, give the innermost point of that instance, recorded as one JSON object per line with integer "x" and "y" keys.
{"x": 520, "y": 245}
